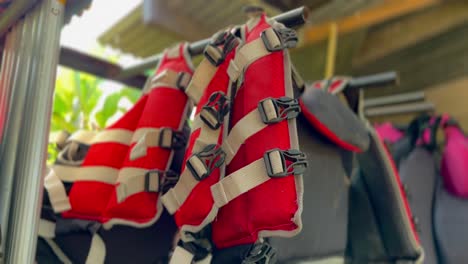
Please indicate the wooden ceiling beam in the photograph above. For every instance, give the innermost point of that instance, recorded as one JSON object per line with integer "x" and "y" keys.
{"x": 165, "y": 14}
{"x": 411, "y": 30}
{"x": 372, "y": 16}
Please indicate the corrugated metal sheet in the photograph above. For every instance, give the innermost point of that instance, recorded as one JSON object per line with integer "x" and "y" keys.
{"x": 131, "y": 35}
{"x": 27, "y": 81}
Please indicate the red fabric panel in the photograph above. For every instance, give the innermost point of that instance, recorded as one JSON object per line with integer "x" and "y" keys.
{"x": 200, "y": 202}
{"x": 324, "y": 130}
{"x": 272, "y": 205}
{"x": 161, "y": 107}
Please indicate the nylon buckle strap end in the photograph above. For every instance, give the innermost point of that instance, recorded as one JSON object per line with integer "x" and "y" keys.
{"x": 179, "y": 80}
{"x": 201, "y": 164}
{"x": 216, "y": 55}
{"x": 276, "y": 110}
{"x": 281, "y": 163}
{"x": 171, "y": 139}
{"x": 261, "y": 253}
{"x": 214, "y": 111}
{"x": 279, "y": 39}
{"x": 167, "y": 180}
{"x": 183, "y": 80}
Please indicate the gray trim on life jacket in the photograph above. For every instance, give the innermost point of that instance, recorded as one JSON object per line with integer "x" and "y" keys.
{"x": 325, "y": 211}
{"x": 450, "y": 222}
{"x": 335, "y": 116}
{"x": 380, "y": 229}
{"x": 419, "y": 175}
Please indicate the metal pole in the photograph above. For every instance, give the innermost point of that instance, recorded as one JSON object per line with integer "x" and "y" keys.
{"x": 331, "y": 51}
{"x": 291, "y": 18}
{"x": 375, "y": 80}
{"x": 16, "y": 9}
{"x": 395, "y": 99}
{"x": 400, "y": 109}
{"x": 31, "y": 105}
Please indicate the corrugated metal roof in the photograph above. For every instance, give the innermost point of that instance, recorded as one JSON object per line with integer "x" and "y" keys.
{"x": 132, "y": 35}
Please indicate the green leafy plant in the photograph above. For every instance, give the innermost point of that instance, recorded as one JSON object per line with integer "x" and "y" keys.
{"x": 81, "y": 102}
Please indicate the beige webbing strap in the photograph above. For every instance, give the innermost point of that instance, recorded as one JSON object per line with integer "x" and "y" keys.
{"x": 97, "y": 251}
{"x": 181, "y": 256}
{"x": 176, "y": 196}
{"x": 92, "y": 173}
{"x": 151, "y": 139}
{"x": 145, "y": 181}
{"x": 200, "y": 80}
{"x": 170, "y": 78}
{"x": 245, "y": 128}
{"x": 121, "y": 136}
{"x": 58, "y": 251}
{"x": 46, "y": 228}
{"x": 247, "y": 54}
{"x": 60, "y": 138}
{"x": 240, "y": 181}
{"x": 57, "y": 193}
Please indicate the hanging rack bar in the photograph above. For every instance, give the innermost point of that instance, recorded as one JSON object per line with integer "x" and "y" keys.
{"x": 395, "y": 99}
{"x": 96, "y": 66}
{"x": 292, "y": 18}
{"x": 133, "y": 75}
{"x": 375, "y": 80}
{"x": 400, "y": 109}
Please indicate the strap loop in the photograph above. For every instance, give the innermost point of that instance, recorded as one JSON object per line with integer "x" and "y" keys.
{"x": 281, "y": 163}
{"x": 183, "y": 79}
{"x": 171, "y": 139}
{"x": 167, "y": 180}
{"x": 216, "y": 55}
{"x": 276, "y": 110}
{"x": 201, "y": 164}
{"x": 214, "y": 111}
{"x": 279, "y": 38}
{"x": 179, "y": 80}
{"x": 261, "y": 253}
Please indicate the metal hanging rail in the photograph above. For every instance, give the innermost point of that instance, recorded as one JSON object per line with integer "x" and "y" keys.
{"x": 375, "y": 80}
{"x": 132, "y": 75}
{"x": 400, "y": 109}
{"x": 395, "y": 99}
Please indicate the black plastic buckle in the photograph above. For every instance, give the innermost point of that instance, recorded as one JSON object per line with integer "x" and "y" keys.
{"x": 166, "y": 179}
{"x": 200, "y": 245}
{"x": 183, "y": 79}
{"x": 287, "y": 37}
{"x": 292, "y": 161}
{"x": 217, "y": 107}
{"x": 211, "y": 156}
{"x": 285, "y": 107}
{"x": 261, "y": 253}
{"x": 178, "y": 138}
{"x": 225, "y": 38}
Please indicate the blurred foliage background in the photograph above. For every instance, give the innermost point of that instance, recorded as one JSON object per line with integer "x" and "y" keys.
{"x": 82, "y": 101}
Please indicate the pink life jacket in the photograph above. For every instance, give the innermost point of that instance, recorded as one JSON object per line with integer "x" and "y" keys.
{"x": 120, "y": 178}
{"x": 388, "y": 133}
{"x": 454, "y": 166}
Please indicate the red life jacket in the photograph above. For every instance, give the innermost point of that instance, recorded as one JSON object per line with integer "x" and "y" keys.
{"x": 246, "y": 177}
{"x": 261, "y": 194}
{"x": 120, "y": 178}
